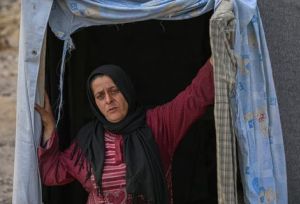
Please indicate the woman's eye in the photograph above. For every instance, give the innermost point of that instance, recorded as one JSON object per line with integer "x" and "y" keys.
{"x": 100, "y": 97}
{"x": 114, "y": 91}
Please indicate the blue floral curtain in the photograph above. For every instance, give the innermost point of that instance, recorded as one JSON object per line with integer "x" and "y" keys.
{"x": 256, "y": 114}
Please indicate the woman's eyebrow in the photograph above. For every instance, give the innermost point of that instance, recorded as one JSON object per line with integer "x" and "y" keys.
{"x": 98, "y": 92}
{"x": 102, "y": 90}
{"x": 113, "y": 87}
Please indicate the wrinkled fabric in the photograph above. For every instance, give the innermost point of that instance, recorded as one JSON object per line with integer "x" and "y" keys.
{"x": 222, "y": 30}
{"x": 33, "y": 24}
{"x": 253, "y": 108}
{"x": 255, "y": 112}
{"x": 67, "y": 16}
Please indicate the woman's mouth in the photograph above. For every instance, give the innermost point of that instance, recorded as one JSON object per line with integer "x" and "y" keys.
{"x": 110, "y": 110}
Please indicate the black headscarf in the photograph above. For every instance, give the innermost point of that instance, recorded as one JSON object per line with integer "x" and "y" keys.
{"x": 144, "y": 173}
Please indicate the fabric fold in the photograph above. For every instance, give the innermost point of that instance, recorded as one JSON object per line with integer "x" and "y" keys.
{"x": 222, "y": 31}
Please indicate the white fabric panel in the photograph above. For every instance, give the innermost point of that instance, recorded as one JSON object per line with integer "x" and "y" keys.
{"x": 34, "y": 18}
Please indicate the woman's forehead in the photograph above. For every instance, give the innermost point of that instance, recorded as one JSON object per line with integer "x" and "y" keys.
{"x": 103, "y": 82}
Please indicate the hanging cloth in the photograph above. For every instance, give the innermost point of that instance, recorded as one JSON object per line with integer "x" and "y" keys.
{"x": 69, "y": 15}
{"x": 255, "y": 112}
{"x": 222, "y": 30}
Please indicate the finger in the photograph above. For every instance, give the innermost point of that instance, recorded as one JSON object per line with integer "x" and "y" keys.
{"x": 39, "y": 109}
{"x": 47, "y": 103}
{"x": 46, "y": 97}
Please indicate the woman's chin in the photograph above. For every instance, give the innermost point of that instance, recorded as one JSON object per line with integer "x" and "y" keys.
{"x": 114, "y": 118}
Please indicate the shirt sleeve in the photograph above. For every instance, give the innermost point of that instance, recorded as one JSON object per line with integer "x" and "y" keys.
{"x": 53, "y": 163}
{"x": 170, "y": 122}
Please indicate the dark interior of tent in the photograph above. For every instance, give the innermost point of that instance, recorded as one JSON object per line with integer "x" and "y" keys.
{"x": 161, "y": 58}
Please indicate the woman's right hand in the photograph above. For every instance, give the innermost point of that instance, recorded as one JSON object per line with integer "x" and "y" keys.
{"x": 47, "y": 118}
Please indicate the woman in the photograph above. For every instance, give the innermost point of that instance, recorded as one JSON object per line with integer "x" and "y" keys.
{"x": 124, "y": 155}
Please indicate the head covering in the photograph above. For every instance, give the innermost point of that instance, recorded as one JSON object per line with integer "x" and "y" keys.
{"x": 144, "y": 173}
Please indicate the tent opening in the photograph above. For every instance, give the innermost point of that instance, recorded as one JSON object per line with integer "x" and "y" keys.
{"x": 161, "y": 58}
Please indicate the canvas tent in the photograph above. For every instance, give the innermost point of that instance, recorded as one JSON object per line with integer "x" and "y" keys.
{"x": 33, "y": 65}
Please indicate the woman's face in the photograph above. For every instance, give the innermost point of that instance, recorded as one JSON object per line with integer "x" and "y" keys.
{"x": 109, "y": 99}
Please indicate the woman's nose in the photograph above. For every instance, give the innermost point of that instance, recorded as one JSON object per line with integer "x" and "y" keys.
{"x": 108, "y": 98}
